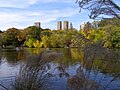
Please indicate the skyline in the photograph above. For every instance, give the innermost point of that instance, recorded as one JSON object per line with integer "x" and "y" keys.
{"x": 23, "y": 13}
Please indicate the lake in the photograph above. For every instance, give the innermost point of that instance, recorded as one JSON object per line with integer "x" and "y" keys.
{"x": 91, "y": 68}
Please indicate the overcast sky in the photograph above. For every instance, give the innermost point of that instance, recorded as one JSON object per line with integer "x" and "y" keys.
{"x": 23, "y": 13}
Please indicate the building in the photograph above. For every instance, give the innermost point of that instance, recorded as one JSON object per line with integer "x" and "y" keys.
{"x": 71, "y": 26}
{"x": 37, "y": 24}
{"x": 82, "y": 25}
{"x": 59, "y": 25}
{"x": 66, "y": 25}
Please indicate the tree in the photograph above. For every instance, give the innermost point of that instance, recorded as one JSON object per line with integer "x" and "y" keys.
{"x": 45, "y": 41}
{"x": 54, "y": 39}
{"x": 37, "y": 44}
{"x": 112, "y": 38}
{"x": 22, "y": 36}
{"x": 109, "y": 22}
{"x": 97, "y": 36}
{"x": 46, "y": 33}
{"x": 34, "y": 32}
{"x": 10, "y": 37}
{"x": 87, "y": 28}
{"x": 112, "y": 32}
{"x": 30, "y": 42}
{"x": 95, "y": 24}
{"x": 100, "y": 7}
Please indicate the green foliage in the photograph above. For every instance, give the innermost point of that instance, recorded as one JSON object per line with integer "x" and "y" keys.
{"x": 105, "y": 32}
{"x": 45, "y": 41}
{"x": 112, "y": 32}
{"x": 54, "y": 40}
{"x": 62, "y": 38}
{"x": 112, "y": 38}
{"x": 34, "y": 32}
{"x": 46, "y": 32}
{"x": 10, "y": 37}
{"x": 109, "y": 22}
{"x": 32, "y": 36}
{"x": 97, "y": 35}
{"x": 87, "y": 26}
{"x": 22, "y": 36}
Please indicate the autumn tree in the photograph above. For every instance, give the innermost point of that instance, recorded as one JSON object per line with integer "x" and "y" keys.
{"x": 10, "y": 37}
{"x": 34, "y": 32}
{"x": 87, "y": 28}
{"x": 22, "y": 36}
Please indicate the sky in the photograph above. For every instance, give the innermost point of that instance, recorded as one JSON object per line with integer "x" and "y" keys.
{"x": 23, "y": 13}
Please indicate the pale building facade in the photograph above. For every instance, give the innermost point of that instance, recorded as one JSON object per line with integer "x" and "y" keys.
{"x": 59, "y": 25}
{"x": 37, "y": 24}
{"x": 66, "y": 25}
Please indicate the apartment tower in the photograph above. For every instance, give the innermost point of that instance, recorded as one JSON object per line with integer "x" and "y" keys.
{"x": 65, "y": 25}
{"x": 37, "y": 24}
{"x": 71, "y": 26}
{"x": 59, "y": 25}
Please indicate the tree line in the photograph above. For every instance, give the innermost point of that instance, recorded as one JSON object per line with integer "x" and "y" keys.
{"x": 105, "y": 32}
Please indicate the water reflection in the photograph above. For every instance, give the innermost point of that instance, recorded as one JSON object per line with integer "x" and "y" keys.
{"x": 91, "y": 68}
{"x": 80, "y": 82}
{"x": 34, "y": 74}
{"x": 12, "y": 56}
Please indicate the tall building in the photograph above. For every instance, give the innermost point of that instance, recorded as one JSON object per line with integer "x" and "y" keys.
{"x": 37, "y": 24}
{"x": 59, "y": 25}
{"x": 66, "y": 25}
{"x": 82, "y": 25}
{"x": 71, "y": 26}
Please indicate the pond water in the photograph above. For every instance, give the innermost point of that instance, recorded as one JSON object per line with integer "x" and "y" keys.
{"x": 67, "y": 68}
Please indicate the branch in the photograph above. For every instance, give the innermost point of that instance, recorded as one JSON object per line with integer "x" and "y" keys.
{"x": 4, "y": 87}
{"x": 100, "y": 7}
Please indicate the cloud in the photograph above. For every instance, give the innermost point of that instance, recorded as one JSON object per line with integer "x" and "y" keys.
{"x": 22, "y": 13}
{"x": 27, "y": 3}
{"x": 22, "y": 19}
{"x": 17, "y": 3}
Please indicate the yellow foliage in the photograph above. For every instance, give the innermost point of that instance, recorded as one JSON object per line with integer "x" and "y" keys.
{"x": 37, "y": 44}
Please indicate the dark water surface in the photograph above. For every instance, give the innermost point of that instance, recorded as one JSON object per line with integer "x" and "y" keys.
{"x": 67, "y": 68}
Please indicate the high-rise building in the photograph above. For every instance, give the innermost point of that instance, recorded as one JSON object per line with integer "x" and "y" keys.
{"x": 71, "y": 26}
{"x": 66, "y": 25}
{"x": 82, "y": 25}
{"x": 37, "y": 24}
{"x": 59, "y": 25}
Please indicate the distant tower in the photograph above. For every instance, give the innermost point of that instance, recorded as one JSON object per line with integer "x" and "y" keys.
{"x": 65, "y": 25}
{"x": 71, "y": 26}
{"x": 82, "y": 25}
{"x": 37, "y": 24}
{"x": 59, "y": 25}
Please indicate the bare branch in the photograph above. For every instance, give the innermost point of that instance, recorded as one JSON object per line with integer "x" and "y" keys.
{"x": 100, "y": 7}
